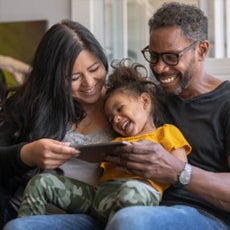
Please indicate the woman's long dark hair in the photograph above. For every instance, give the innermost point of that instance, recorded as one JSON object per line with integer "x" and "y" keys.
{"x": 43, "y": 106}
{"x": 2, "y": 85}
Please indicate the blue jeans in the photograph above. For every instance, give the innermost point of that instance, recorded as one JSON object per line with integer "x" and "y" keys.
{"x": 177, "y": 217}
{"x": 57, "y": 222}
{"x": 134, "y": 218}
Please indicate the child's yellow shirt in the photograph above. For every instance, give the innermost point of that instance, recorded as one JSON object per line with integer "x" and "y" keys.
{"x": 169, "y": 136}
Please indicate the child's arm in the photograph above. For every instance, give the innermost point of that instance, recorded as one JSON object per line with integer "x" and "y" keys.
{"x": 180, "y": 154}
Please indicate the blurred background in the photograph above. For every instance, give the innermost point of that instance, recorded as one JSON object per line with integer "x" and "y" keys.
{"x": 121, "y": 26}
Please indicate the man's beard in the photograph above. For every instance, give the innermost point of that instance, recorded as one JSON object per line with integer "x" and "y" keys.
{"x": 184, "y": 83}
{"x": 184, "y": 79}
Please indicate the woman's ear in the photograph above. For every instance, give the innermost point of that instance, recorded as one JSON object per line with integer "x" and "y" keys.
{"x": 146, "y": 100}
{"x": 203, "y": 48}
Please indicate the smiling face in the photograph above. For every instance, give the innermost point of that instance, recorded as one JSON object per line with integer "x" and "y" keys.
{"x": 87, "y": 78}
{"x": 129, "y": 115}
{"x": 173, "y": 79}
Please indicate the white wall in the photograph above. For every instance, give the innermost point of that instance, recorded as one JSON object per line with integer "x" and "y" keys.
{"x": 84, "y": 11}
{"x": 22, "y": 10}
{"x": 219, "y": 67}
{"x": 90, "y": 13}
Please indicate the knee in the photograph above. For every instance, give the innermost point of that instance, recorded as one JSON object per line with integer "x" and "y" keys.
{"x": 124, "y": 219}
{"x": 37, "y": 178}
{"x": 38, "y": 182}
{"x": 126, "y": 195}
{"x": 15, "y": 224}
{"x": 136, "y": 193}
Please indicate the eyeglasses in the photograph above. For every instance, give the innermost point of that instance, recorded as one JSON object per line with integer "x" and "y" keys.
{"x": 169, "y": 58}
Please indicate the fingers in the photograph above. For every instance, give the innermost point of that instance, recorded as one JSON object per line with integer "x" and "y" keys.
{"x": 127, "y": 159}
{"x": 135, "y": 158}
{"x": 63, "y": 148}
{"x": 47, "y": 153}
{"x": 146, "y": 159}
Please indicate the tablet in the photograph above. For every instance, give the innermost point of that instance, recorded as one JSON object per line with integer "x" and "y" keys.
{"x": 97, "y": 152}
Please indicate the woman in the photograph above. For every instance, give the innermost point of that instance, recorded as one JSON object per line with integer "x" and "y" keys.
{"x": 59, "y": 104}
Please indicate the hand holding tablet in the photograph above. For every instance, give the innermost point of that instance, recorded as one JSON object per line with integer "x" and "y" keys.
{"x": 97, "y": 152}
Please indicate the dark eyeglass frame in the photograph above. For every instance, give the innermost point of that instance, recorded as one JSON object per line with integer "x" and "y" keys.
{"x": 178, "y": 55}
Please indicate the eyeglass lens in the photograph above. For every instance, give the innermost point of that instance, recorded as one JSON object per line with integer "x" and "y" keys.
{"x": 170, "y": 59}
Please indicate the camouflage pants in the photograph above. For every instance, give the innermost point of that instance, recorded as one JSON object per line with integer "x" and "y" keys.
{"x": 71, "y": 195}
{"x": 119, "y": 193}
{"x": 78, "y": 197}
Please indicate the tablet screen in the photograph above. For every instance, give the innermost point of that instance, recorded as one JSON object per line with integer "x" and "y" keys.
{"x": 97, "y": 152}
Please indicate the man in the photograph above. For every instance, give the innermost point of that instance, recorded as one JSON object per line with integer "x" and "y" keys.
{"x": 199, "y": 104}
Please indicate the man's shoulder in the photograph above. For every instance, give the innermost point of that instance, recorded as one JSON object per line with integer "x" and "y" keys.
{"x": 225, "y": 84}
{"x": 223, "y": 91}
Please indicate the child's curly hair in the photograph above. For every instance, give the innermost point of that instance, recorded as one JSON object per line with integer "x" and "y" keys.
{"x": 132, "y": 78}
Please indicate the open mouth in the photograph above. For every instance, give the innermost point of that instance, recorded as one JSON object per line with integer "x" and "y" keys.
{"x": 89, "y": 91}
{"x": 167, "y": 80}
{"x": 125, "y": 125}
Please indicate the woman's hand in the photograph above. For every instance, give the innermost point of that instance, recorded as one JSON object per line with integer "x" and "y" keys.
{"x": 148, "y": 160}
{"x": 47, "y": 153}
